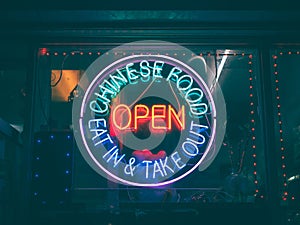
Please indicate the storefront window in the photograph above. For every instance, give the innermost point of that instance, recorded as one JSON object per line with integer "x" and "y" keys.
{"x": 237, "y": 174}
{"x": 285, "y": 79}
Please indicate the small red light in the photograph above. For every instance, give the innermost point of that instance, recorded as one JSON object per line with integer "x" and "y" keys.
{"x": 43, "y": 51}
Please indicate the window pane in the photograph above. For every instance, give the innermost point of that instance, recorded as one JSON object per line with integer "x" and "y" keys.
{"x": 238, "y": 172}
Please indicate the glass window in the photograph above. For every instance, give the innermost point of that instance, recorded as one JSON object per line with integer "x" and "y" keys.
{"x": 285, "y": 78}
{"x": 238, "y": 172}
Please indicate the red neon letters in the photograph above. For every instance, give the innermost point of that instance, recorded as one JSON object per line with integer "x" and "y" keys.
{"x": 161, "y": 117}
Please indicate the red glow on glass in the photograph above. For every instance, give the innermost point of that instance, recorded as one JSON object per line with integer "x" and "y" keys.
{"x": 43, "y": 51}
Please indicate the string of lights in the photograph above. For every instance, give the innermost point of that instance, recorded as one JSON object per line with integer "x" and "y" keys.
{"x": 284, "y": 192}
{"x": 252, "y": 122}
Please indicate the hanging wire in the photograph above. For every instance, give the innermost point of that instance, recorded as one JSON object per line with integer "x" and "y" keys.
{"x": 61, "y": 71}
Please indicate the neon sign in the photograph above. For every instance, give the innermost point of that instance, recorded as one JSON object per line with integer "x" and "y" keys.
{"x": 157, "y": 115}
{"x": 145, "y": 119}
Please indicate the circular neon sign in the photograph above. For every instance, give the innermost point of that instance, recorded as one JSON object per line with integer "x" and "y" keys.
{"x": 144, "y": 118}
